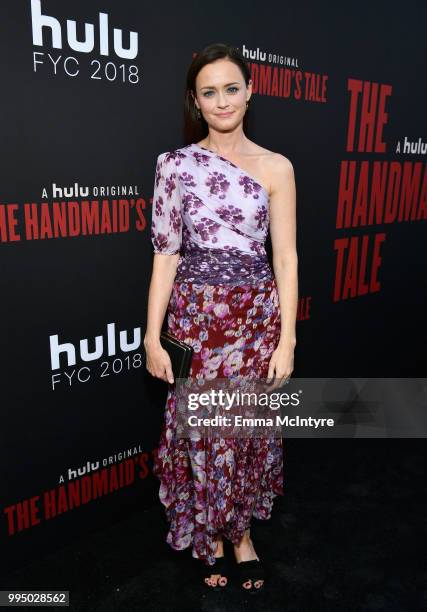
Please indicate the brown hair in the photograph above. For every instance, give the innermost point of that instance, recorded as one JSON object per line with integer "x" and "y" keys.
{"x": 194, "y": 128}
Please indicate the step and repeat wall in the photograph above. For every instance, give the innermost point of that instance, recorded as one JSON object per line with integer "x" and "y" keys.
{"x": 92, "y": 92}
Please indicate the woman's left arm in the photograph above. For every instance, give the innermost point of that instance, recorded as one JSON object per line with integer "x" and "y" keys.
{"x": 285, "y": 264}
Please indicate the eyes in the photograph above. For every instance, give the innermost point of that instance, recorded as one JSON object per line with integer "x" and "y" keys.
{"x": 205, "y": 94}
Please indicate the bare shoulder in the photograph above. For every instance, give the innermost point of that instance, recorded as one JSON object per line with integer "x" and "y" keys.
{"x": 279, "y": 172}
{"x": 274, "y": 163}
{"x": 277, "y": 169}
{"x": 279, "y": 164}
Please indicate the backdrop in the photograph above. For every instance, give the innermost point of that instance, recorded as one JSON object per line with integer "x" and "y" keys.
{"x": 92, "y": 92}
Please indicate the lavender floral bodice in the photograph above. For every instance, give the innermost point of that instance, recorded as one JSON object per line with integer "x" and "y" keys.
{"x": 214, "y": 214}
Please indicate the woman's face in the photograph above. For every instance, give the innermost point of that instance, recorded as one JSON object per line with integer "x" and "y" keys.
{"x": 221, "y": 94}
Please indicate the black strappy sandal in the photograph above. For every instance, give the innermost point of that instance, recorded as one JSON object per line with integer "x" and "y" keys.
{"x": 251, "y": 570}
{"x": 221, "y": 566}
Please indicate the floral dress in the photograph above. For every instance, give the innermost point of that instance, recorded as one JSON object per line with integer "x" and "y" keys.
{"x": 225, "y": 303}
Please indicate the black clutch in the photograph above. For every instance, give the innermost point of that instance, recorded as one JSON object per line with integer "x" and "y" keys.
{"x": 179, "y": 352}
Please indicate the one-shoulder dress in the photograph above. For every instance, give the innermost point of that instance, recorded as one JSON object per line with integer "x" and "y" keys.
{"x": 225, "y": 303}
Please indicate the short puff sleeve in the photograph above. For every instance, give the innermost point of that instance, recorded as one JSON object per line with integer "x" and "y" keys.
{"x": 166, "y": 221}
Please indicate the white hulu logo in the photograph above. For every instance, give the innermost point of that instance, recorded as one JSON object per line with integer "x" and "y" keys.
{"x": 70, "y": 350}
{"x": 91, "y": 466}
{"x": 39, "y": 21}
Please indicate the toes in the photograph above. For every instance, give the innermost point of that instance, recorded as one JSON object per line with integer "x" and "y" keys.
{"x": 212, "y": 580}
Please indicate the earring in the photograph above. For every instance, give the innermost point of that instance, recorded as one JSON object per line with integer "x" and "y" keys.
{"x": 199, "y": 114}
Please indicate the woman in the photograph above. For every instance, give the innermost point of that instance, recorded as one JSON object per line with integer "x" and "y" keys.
{"x": 213, "y": 203}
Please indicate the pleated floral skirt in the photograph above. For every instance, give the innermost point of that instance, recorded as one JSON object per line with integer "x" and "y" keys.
{"x": 213, "y": 487}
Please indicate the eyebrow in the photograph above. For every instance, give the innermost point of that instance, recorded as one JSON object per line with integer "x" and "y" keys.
{"x": 212, "y": 87}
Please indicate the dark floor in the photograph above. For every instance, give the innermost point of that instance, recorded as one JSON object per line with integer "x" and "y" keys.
{"x": 349, "y": 535}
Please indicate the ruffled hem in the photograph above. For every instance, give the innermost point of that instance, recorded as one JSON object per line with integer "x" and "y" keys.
{"x": 195, "y": 518}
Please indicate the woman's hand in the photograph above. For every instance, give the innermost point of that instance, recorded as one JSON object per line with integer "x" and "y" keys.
{"x": 158, "y": 361}
{"x": 281, "y": 364}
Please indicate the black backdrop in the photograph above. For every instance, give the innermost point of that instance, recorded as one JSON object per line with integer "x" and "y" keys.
{"x": 108, "y": 130}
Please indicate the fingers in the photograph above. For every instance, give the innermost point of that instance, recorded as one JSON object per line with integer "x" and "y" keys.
{"x": 271, "y": 369}
{"x": 279, "y": 381}
{"x": 169, "y": 373}
{"x": 270, "y": 374}
{"x": 161, "y": 367}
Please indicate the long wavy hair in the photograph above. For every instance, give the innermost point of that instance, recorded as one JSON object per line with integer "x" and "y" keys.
{"x": 196, "y": 128}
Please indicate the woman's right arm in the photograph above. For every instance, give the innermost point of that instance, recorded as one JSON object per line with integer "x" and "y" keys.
{"x": 162, "y": 278}
{"x": 166, "y": 236}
